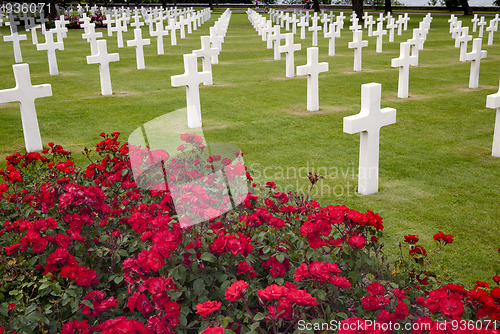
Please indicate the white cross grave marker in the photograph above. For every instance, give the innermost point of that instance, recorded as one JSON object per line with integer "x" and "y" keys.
{"x": 108, "y": 21}
{"x": 368, "y": 123}
{"x": 357, "y": 44}
{"x": 216, "y": 42}
{"x": 91, "y": 35}
{"x": 206, "y": 53}
{"x": 159, "y": 33}
{"x": 333, "y": 32}
{"x": 400, "y": 22}
{"x": 120, "y": 29}
{"x": 50, "y": 46}
{"x": 474, "y": 21}
{"x": 192, "y": 80}
{"x": 25, "y": 93}
{"x": 391, "y": 25}
{"x": 463, "y": 41}
{"x": 481, "y": 25}
{"x": 290, "y": 49}
{"x": 303, "y": 24}
{"x": 172, "y": 26}
{"x": 139, "y": 43}
{"x": 493, "y": 101}
{"x": 491, "y": 30}
{"x": 475, "y": 57}
{"x": 103, "y": 58}
{"x": 15, "y": 38}
{"x": 312, "y": 69}
{"x": 314, "y": 28}
{"x": 276, "y": 37}
{"x": 379, "y": 33}
{"x": 404, "y": 62}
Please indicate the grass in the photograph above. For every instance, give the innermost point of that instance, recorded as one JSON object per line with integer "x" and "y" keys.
{"x": 436, "y": 169}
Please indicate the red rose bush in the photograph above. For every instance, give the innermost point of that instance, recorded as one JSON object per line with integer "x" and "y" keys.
{"x": 98, "y": 250}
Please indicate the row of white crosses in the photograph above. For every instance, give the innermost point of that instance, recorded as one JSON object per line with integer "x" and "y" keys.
{"x": 462, "y": 38}
{"x": 192, "y": 78}
{"x": 103, "y": 58}
{"x": 368, "y": 122}
{"x": 456, "y": 26}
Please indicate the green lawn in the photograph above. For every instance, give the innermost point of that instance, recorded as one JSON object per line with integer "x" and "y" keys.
{"x": 436, "y": 169}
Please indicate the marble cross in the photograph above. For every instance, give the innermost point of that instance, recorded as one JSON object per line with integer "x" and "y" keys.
{"x": 314, "y": 28}
{"x": 303, "y": 24}
{"x": 312, "y": 70}
{"x": 120, "y": 29}
{"x": 172, "y": 26}
{"x": 474, "y": 21}
{"x": 481, "y": 25}
{"x": 357, "y": 44}
{"x": 404, "y": 62}
{"x": 206, "y": 53}
{"x": 368, "y": 123}
{"x": 463, "y": 41}
{"x": 15, "y": 38}
{"x": 91, "y": 35}
{"x": 493, "y": 102}
{"x": 400, "y": 22}
{"x": 289, "y": 48}
{"x": 192, "y": 80}
{"x": 276, "y": 37}
{"x": 108, "y": 21}
{"x": 159, "y": 33}
{"x": 379, "y": 33}
{"x": 103, "y": 58}
{"x": 475, "y": 57}
{"x": 26, "y": 94}
{"x": 216, "y": 42}
{"x": 50, "y": 46}
{"x": 391, "y": 25}
{"x": 139, "y": 43}
{"x": 491, "y": 30}
{"x": 333, "y": 32}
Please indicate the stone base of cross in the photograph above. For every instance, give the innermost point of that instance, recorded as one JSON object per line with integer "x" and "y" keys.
{"x": 368, "y": 123}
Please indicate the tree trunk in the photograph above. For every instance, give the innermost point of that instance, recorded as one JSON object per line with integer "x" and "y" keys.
{"x": 357, "y": 7}
{"x": 465, "y": 7}
{"x": 388, "y": 6}
{"x": 164, "y": 4}
{"x": 316, "y": 5}
{"x": 211, "y": 4}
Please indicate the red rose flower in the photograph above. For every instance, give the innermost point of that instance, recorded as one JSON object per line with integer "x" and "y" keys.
{"x": 207, "y": 307}
{"x": 418, "y": 252}
{"x": 340, "y": 281}
{"x": 441, "y": 236}
{"x": 375, "y": 289}
{"x": 411, "y": 239}
{"x": 401, "y": 310}
{"x": 233, "y": 292}
{"x": 373, "y": 303}
{"x": 496, "y": 279}
{"x": 356, "y": 241}
{"x": 301, "y": 297}
{"x": 213, "y": 330}
{"x": 273, "y": 291}
{"x": 12, "y": 249}
{"x": 301, "y": 272}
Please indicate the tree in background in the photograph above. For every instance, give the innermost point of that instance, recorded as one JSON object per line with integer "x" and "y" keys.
{"x": 316, "y": 5}
{"x": 357, "y": 7}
